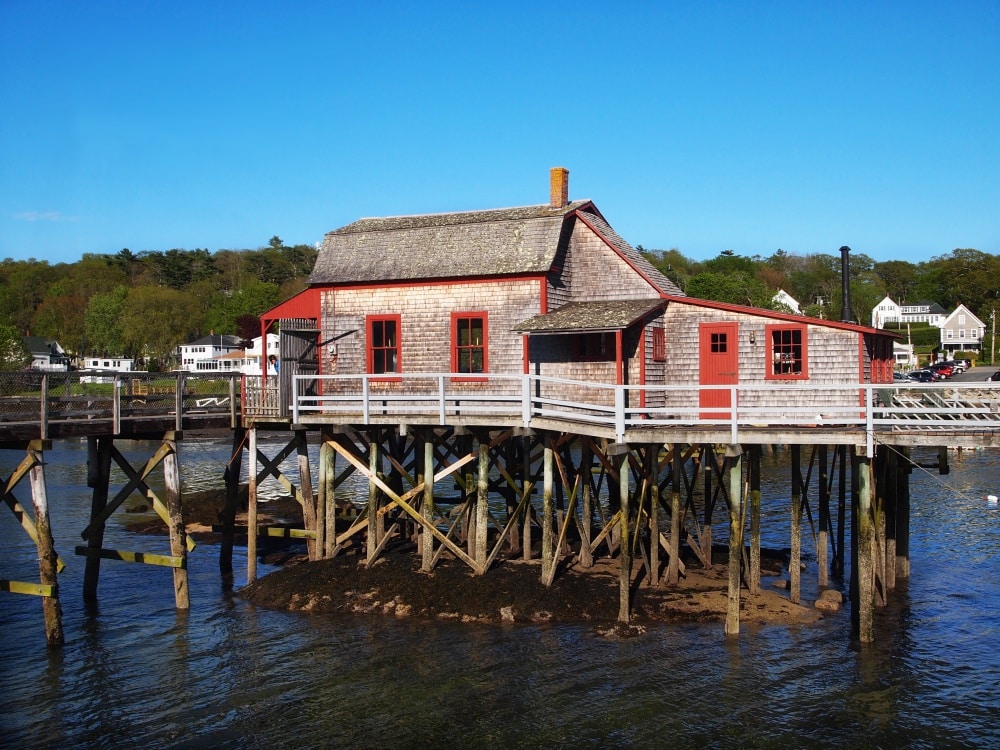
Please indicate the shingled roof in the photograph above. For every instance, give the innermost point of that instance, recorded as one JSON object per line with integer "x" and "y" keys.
{"x": 606, "y": 315}
{"x": 470, "y": 244}
{"x": 498, "y": 242}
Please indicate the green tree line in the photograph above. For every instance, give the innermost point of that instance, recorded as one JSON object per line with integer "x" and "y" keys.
{"x": 142, "y": 305}
{"x": 963, "y": 276}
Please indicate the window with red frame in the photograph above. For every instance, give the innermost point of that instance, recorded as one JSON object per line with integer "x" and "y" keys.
{"x": 469, "y": 343}
{"x": 788, "y": 352}
{"x": 594, "y": 347}
{"x": 383, "y": 344}
{"x": 659, "y": 345}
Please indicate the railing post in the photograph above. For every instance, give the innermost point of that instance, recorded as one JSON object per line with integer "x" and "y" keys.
{"x": 526, "y": 400}
{"x": 44, "y": 407}
{"x": 869, "y": 422}
{"x": 232, "y": 401}
{"x": 116, "y": 405}
{"x": 733, "y": 415}
{"x": 365, "y": 405}
{"x": 620, "y": 414}
{"x": 179, "y": 402}
{"x": 295, "y": 399}
{"x": 441, "y": 402}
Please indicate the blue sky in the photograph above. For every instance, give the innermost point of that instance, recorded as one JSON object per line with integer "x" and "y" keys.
{"x": 701, "y": 126}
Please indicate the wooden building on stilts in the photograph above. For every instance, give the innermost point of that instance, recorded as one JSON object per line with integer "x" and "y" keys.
{"x": 571, "y": 396}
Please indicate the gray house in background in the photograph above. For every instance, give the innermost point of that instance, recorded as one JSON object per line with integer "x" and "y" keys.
{"x": 962, "y": 332}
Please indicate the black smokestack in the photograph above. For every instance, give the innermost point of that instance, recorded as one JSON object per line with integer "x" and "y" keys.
{"x": 845, "y": 285}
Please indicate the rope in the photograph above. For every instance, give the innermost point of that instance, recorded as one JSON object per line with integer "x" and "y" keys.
{"x": 931, "y": 474}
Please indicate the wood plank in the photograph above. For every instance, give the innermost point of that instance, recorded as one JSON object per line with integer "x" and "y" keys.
{"x": 32, "y": 589}
{"x": 146, "y": 558}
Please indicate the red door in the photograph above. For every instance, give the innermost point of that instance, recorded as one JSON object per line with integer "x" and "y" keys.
{"x": 718, "y": 365}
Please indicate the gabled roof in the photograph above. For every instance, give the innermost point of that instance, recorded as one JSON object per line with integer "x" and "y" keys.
{"x": 963, "y": 309}
{"x": 41, "y": 346}
{"x": 471, "y": 244}
{"x": 216, "y": 339}
{"x": 500, "y": 242}
{"x": 608, "y": 315}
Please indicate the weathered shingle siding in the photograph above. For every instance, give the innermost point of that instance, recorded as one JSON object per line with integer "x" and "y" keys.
{"x": 832, "y": 355}
{"x": 594, "y": 271}
{"x": 425, "y": 320}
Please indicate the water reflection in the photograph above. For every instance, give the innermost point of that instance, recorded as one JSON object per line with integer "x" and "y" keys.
{"x": 136, "y": 671}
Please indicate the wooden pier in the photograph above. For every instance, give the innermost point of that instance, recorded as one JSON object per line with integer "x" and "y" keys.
{"x": 515, "y": 472}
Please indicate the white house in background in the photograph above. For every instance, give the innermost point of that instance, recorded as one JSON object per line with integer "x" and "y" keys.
{"x": 788, "y": 301}
{"x": 253, "y": 353}
{"x": 925, "y": 311}
{"x": 103, "y": 368}
{"x": 46, "y": 354}
{"x": 962, "y": 331}
{"x": 884, "y": 312}
{"x": 208, "y": 354}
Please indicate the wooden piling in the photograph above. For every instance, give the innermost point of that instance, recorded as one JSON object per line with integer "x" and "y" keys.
{"x": 47, "y": 558}
{"x": 652, "y": 469}
{"x": 795, "y": 557}
{"x": 310, "y": 513}
{"x": 252, "y": 509}
{"x": 903, "y": 469}
{"x": 677, "y": 467}
{"x": 99, "y": 476}
{"x": 823, "y": 538}
{"x": 374, "y": 517}
{"x": 735, "y": 487}
{"x": 234, "y": 469}
{"x": 548, "y": 509}
{"x": 587, "y": 516}
{"x": 178, "y": 534}
{"x": 427, "y": 507}
{"x": 754, "y": 500}
{"x": 328, "y": 492}
{"x": 624, "y": 549}
{"x": 482, "y": 502}
{"x": 863, "y": 612}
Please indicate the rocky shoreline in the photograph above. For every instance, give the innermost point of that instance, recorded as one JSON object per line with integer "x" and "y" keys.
{"x": 510, "y": 592}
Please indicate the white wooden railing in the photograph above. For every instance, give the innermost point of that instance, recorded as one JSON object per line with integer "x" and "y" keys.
{"x": 525, "y": 399}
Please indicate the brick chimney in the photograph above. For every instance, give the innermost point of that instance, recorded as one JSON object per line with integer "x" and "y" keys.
{"x": 558, "y": 187}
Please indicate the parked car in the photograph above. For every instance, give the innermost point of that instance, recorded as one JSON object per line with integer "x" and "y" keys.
{"x": 898, "y": 377}
{"x": 995, "y": 376}
{"x": 923, "y": 376}
{"x": 942, "y": 368}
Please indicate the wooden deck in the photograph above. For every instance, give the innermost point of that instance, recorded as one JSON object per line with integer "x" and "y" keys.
{"x": 956, "y": 414}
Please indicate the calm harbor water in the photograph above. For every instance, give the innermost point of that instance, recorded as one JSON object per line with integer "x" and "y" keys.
{"x": 137, "y": 673}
